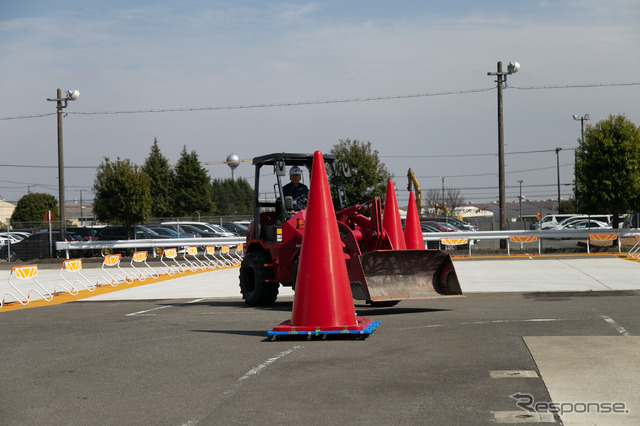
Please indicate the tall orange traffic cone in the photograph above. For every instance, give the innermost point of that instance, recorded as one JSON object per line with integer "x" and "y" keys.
{"x": 391, "y": 219}
{"x": 412, "y": 230}
{"x": 323, "y": 303}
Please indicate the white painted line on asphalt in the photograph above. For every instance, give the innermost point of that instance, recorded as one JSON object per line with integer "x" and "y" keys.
{"x": 485, "y": 322}
{"x": 256, "y": 370}
{"x": 522, "y": 417}
{"x": 513, "y": 374}
{"x": 509, "y": 321}
{"x": 234, "y": 388}
{"x": 615, "y": 325}
{"x": 146, "y": 314}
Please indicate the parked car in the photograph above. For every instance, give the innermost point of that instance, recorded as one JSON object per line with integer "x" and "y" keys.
{"x": 223, "y": 232}
{"x": 169, "y": 233}
{"x": 460, "y": 224}
{"x": 550, "y": 221}
{"x": 182, "y": 230}
{"x": 631, "y": 221}
{"x": 205, "y": 229}
{"x": 426, "y": 227}
{"x": 237, "y": 228}
{"x": 587, "y": 223}
{"x": 565, "y": 223}
{"x": 5, "y": 237}
{"x": 15, "y": 235}
{"x": 196, "y": 232}
{"x": 38, "y": 246}
{"x": 89, "y": 233}
{"x": 137, "y": 232}
{"x": 441, "y": 227}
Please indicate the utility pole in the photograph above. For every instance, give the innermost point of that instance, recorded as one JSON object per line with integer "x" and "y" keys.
{"x": 501, "y": 81}
{"x": 581, "y": 120}
{"x": 501, "y": 181}
{"x": 520, "y": 203}
{"x": 558, "y": 169}
{"x": 61, "y": 103}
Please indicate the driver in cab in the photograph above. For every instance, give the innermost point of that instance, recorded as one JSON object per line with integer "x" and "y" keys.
{"x": 296, "y": 190}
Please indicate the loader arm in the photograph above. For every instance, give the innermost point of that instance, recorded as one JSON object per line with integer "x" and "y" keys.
{"x": 380, "y": 274}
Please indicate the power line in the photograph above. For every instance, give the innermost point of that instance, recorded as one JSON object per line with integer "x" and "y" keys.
{"x": 472, "y": 155}
{"x": 575, "y": 86}
{"x": 327, "y": 101}
{"x": 493, "y": 173}
{"x": 20, "y": 117}
{"x": 45, "y": 167}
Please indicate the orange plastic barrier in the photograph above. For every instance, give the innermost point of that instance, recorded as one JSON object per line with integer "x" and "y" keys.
{"x": 522, "y": 239}
{"x": 604, "y": 237}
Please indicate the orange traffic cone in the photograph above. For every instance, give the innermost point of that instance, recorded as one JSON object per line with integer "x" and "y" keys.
{"x": 412, "y": 230}
{"x": 323, "y": 303}
{"x": 391, "y": 219}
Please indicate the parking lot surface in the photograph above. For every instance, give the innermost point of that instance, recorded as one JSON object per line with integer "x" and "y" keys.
{"x": 557, "y": 336}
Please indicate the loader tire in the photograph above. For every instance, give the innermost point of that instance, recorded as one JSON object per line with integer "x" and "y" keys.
{"x": 256, "y": 280}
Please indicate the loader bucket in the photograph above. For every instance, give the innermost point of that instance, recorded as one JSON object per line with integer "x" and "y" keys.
{"x": 405, "y": 274}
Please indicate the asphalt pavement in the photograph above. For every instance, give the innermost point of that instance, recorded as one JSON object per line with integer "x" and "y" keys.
{"x": 539, "y": 339}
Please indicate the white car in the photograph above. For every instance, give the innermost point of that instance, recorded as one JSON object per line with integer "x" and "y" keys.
{"x": 221, "y": 230}
{"x": 587, "y": 223}
{"x": 552, "y": 221}
{"x": 565, "y": 223}
{"x": 13, "y": 236}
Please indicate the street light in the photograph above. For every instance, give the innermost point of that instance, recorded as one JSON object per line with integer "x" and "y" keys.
{"x": 501, "y": 81}
{"x": 581, "y": 120}
{"x": 558, "y": 149}
{"x": 70, "y": 95}
{"x": 520, "y": 201}
{"x": 444, "y": 203}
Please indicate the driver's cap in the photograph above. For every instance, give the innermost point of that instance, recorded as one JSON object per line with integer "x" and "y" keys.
{"x": 295, "y": 170}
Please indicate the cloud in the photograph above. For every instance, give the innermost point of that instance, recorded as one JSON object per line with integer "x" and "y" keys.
{"x": 164, "y": 55}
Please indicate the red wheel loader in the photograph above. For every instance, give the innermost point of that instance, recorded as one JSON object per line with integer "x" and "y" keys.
{"x": 379, "y": 274}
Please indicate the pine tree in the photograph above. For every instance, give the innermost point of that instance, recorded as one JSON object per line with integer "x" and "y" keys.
{"x": 162, "y": 178}
{"x": 192, "y": 186}
{"x": 232, "y": 197}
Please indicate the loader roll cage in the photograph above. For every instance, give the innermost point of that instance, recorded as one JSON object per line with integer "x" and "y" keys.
{"x": 280, "y": 163}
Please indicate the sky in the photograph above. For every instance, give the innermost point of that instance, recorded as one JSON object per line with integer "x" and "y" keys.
{"x": 254, "y": 77}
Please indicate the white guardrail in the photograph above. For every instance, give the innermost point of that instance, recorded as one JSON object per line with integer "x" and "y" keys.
{"x": 582, "y": 234}
{"x": 163, "y": 243}
{"x": 551, "y": 234}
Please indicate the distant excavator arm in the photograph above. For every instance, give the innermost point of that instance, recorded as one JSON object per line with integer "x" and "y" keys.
{"x": 442, "y": 208}
{"x": 418, "y": 192}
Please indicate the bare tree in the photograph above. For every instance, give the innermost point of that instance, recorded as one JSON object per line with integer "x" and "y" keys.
{"x": 453, "y": 199}
{"x": 432, "y": 196}
{"x": 450, "y": 198}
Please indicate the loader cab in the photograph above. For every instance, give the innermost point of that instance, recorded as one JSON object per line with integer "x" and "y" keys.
{"x": 271, "y": 207}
